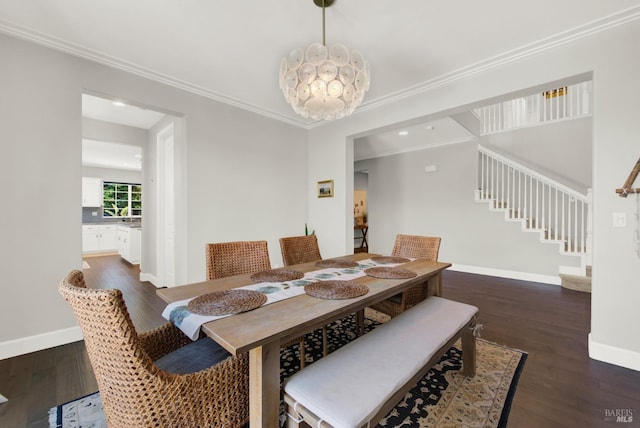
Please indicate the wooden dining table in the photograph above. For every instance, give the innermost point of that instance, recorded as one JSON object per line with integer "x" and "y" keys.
{"x": 261, "y": 331}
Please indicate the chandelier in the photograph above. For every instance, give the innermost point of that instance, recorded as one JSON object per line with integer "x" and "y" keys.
{"x": 324, "y": 83}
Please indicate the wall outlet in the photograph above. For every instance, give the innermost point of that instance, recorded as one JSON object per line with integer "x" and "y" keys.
{"x": 94, "y": 213}
{"x": 619, "y": 219}
{"x": 431, "y": 168}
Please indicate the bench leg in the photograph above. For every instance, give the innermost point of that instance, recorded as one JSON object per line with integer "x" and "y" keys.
{"x": 469, "y": 350}
{"x": 294, "y": 419}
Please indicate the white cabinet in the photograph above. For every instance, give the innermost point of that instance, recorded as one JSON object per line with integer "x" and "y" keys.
{"x": 129, "y": 243}
{"x": 109, "y": 238}
{"x": 91, "y": 192}
{"x": 98, "y": 238}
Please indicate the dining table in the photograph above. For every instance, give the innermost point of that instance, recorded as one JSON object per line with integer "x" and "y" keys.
{"x": 261, "y": 331}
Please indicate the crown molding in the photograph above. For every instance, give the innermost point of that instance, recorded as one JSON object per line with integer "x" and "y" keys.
{"x": 531, "y": 49}
{"x": 51, "y": 42}
{"x": 500, "y": 60}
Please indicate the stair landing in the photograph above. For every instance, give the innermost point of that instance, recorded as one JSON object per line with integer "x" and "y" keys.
{"x": 576, "y": 283}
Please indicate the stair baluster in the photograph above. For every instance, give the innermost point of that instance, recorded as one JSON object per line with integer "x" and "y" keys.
{"x": 559, "y": 214}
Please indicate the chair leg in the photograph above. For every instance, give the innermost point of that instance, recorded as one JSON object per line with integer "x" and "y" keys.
{"x": 325, "y": 344}
{"x": 360, "y": 322}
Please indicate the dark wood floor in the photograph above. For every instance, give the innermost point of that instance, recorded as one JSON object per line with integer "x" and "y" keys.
{"x": 559, "y": 387}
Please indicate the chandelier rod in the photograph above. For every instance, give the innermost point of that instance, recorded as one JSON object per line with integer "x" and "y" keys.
{"x": 324, "y": 43}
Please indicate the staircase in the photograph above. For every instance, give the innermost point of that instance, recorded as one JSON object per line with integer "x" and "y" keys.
{"x": 559, "y": 215}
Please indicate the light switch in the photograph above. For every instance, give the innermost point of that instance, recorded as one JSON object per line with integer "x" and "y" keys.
{"x": 619, "y": 219}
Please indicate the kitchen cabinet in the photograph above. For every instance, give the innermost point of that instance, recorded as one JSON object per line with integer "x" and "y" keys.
{"x": 91, "y": 192}
{"x": 99, "y": 238}
{"x": 129, "y": 243}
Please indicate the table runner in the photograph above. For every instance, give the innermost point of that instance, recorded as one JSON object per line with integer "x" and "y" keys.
{"x": 190, "y": 323}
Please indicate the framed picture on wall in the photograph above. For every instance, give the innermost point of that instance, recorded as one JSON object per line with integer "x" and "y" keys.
{"x": 325, "y": 189}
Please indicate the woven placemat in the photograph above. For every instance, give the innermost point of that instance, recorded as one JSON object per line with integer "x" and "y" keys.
{"x": 390, "y": 259}
{"x": 336, "y": 290}
{"x": 390, "y": 272}
{"x": 276, "y": 275}
{"x": 226, "y": 302}
{"x": 336, "y": 263}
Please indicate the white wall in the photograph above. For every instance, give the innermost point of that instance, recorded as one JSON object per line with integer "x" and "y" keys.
{"x": 99, "y": 130}
{"x": 611, "y": 56}
{"x": 360, "y": 181}
{"x": 403, "y": 198}
{"x": 246, "y": 180}
{"x": 111, "y": 174}
{"x": 560, "y": 150}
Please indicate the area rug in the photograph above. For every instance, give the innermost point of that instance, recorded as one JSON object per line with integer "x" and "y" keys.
{"x": 444, "y": 398}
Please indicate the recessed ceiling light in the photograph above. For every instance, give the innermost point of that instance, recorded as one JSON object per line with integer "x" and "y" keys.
{"x": 118, "y": 103}
{"x": 403, "y": 133}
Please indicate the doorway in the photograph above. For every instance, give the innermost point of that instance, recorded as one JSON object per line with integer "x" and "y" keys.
{"x": 360, "y": 212}
{"x": 128, "y": 133}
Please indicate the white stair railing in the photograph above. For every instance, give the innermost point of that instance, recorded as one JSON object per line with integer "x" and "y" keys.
{"x": 558, "y": 213}
{"x": 555, "y": 104}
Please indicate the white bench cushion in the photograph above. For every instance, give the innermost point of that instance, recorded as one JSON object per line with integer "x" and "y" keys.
{"x": 349, "y": 386}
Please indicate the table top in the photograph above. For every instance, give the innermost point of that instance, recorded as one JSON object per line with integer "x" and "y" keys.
{"x": 287, "y": 319}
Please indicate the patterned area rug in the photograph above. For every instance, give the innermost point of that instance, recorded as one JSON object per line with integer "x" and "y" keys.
{"x": 444, "y": 398}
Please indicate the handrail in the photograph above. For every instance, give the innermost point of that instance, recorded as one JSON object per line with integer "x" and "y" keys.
{"x": 626, "y": 187}
{"x": 533, "y": 173}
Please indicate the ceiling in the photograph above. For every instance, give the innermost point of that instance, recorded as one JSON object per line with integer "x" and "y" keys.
{"x": 106, "y": 154}
{"x": 230, "y": 50}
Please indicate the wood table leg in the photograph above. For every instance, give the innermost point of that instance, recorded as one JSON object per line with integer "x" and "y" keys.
{"x": 435, "y": 283}
{"x": 264, "y": 386}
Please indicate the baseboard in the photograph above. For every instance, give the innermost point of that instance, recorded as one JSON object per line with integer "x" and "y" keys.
{"x": 614, "y": 355}
{"x": 150, "y": 278}
{"x": 25, "y": 345}
{"x": 501, "y": 273}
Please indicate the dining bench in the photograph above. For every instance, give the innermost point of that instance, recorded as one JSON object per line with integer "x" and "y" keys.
{"x": 358, "y": 384}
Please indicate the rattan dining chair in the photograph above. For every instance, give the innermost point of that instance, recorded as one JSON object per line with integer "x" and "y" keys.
{"x": 244, "y": 257}
{"x": 237, "y": 258}
{"x": 299, "y": 249}
{"x": 159, "y": 378}
{"x": 304, "y": 249}
{"x": 412, "y": 246}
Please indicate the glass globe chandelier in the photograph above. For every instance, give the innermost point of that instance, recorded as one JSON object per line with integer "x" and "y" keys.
{"x": 324, "y": 83}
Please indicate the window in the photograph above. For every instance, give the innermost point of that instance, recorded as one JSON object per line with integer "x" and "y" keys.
{"x": 121, "y": 200}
